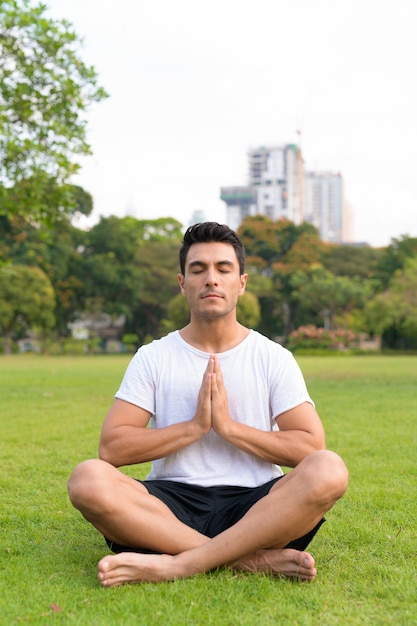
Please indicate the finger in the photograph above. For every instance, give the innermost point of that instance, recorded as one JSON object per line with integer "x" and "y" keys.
{"x": 217, "y": 371}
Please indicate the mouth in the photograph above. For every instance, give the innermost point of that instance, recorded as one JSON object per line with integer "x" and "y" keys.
{"x": 209, "y": 296}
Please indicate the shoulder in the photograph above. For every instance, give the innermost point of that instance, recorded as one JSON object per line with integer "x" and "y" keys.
{"x": 157, "y": 346}
{"x": 268, "y": 345}
{"x": 271, "y": 356}
{"x": 155, "y": 352}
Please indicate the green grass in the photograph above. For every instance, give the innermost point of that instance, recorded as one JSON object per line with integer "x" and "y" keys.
{"x": 51, "y": 413}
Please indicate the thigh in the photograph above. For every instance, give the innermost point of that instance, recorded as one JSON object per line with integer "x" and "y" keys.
{"x": 230, "y": 504}
{"x": 190, "y": 504}
{"x": 239, "y": 502}
{"x": 94, "y": 479}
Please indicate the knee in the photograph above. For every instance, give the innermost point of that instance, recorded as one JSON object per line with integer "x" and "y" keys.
{"x": 83, "y": 482}
{"x": 332, "y": 475}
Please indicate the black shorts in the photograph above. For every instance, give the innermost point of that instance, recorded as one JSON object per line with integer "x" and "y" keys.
{"x": 210, "y": 510}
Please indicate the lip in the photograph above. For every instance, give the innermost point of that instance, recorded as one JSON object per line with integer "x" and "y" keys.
{"x": 212, "y": 295}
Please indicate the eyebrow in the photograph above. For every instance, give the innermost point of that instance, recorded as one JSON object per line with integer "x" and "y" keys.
{"x": 203, "y": 264}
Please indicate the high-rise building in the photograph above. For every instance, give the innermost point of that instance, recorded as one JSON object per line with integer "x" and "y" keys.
{"x": 275, "y": 173}
{"x": 274, "y": 189}
{"x": 241, "y": 202}
{"x": 323, "y": 204}
{"x": 279, "y": 187}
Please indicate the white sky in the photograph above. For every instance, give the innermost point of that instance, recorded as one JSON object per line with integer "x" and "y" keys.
{"x": 194, "y": 84}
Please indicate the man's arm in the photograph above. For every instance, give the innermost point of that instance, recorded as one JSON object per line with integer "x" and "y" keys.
{"x": 301, "y": 432}
{"x": 300, "y": 429}
{"x": 126, "y": 440}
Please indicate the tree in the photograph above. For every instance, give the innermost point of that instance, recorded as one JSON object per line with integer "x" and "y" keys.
{"x": 395, "y": 255}
{"x": 273, "y": 248}
{"x": 349, "y": 260}
{"x": 56, "y": 251}
{"x": 393, "y": 313}
{"x": 27, "y": 300}
{"x": 248, "y": 311}
{"x": 128, "y": 263}
{"x": 328, "y": 296}
{"x": 45, "y": 92}
{"x": 123, "y": 236}
{"x": 271, "y": 241}
{"x": 158, "y": 261}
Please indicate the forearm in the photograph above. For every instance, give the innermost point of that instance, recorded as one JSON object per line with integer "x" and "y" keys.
{"x": 128, "y": 445}
{"x": 287, "y": 448}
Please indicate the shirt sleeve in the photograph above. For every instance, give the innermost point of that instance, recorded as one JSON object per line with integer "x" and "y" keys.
{"x": 288, "y": 388}
{"x": 137, "y": 386}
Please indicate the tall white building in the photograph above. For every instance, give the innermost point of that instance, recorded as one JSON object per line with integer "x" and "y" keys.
{"x": 276, "y": 173}
{"x": 280, "y": 188}
{"x": 241, "y": 202}
{"x": 274, "y": 189}
{"x": 323, "y": 204}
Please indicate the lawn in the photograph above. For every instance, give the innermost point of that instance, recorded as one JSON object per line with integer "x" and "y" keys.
{"x": 51, "y": 413}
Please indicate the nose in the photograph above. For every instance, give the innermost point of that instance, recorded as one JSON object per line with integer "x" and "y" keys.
{"x": 211, "y": 277}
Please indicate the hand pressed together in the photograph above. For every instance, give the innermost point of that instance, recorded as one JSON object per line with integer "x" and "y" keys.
{"x": 212, "y": 405}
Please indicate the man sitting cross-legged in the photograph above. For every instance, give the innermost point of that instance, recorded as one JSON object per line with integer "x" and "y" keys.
{"x": 227, "y": 407}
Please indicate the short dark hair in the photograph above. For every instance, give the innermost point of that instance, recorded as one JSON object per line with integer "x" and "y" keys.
{"x": 205, "y": 232}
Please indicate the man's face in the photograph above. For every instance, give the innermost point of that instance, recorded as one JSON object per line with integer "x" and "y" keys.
{"x": 212, "y": 282}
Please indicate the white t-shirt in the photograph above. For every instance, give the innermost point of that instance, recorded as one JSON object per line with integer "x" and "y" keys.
{"x": 262, "y": 380}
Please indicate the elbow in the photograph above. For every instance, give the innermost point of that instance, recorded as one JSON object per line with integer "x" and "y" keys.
{"x": 105, "y": 454}
{"x": 318, "y": 443}
{"x": 314, "y": 443}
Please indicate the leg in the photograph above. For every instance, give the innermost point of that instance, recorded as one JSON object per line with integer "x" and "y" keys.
{"x": 124, "y": 512}
{"x": 294, "y": 506}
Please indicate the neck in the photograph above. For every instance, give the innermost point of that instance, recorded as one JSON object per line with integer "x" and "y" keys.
{"x": 214, "y": 337}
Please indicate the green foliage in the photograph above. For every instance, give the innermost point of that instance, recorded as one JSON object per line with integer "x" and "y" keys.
{"x": 178, "y": 314}
{"x": 83, "y": 201}
{"x": 26, "y": 300}
{"x": 52, "y": 411}
{"x": 349, "y": 260}
{"x": 158, "y": 259}
{"x": 395, "y": 255}
{"x": 45, "y": 93}
{"x": 162, "y": 228}
{"x": 115, "y": 236}
{"x": 130, "y": 341}
{"x": 124, "y": 236}
{"x": 270, "y": 241}
{"x": 328, "y": 295}
{"x": 129, "y": 266}
{"x": 396, "y": 308}
{"x": 248, "y": 311}
{"x": 276, "y": 250}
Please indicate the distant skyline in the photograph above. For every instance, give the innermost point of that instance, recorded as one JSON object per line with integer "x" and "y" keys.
{"x": 194, "y": 85}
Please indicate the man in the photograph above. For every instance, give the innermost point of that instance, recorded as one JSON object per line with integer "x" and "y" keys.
{"x": 227, "y": 407}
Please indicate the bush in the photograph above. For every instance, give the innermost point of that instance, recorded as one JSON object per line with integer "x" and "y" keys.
{"x": 317, "y": 337}
{"x": 130, "y": 342}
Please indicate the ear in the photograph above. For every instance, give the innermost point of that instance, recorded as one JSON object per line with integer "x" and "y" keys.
{"x": 180, "y": 278}
{"x": 243, "y": 281}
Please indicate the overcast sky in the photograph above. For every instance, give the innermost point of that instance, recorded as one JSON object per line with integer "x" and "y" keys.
{"x": 194, "y": 84}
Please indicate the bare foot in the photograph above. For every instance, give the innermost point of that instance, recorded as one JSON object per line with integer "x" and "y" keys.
{"x": 134, "y": 567}
{"x": 286, "y": 562}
